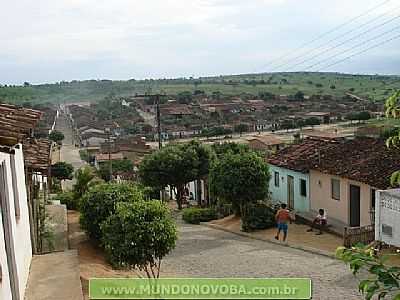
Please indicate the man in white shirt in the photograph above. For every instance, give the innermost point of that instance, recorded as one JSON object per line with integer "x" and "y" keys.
{"x": 319, "y": 221}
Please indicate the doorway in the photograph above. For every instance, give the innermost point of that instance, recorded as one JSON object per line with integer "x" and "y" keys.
{"x": 290, "y": 184}
{"x": 354, "y": 206}
{"x": 8, "y": 234}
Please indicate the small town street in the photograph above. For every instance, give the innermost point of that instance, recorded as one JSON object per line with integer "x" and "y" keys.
{"x": 69, "y": 153}
{"x": 205, "y": 252}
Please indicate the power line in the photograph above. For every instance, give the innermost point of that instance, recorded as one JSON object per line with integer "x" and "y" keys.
{"x": 341, "y": 43}
{"x": 321, "y": 36}
{"x": 354, "y": 47}
{"x": 360, "y": 52}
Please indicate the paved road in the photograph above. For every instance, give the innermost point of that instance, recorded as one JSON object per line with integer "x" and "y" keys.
{"x": 69, "y": 153}
{"x": 206, "y": 252}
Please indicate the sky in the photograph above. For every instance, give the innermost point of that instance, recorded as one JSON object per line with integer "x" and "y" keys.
{"x": 53, "y": 40}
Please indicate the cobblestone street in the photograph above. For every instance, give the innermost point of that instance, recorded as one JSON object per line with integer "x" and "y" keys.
{"x": 206, "y": 252}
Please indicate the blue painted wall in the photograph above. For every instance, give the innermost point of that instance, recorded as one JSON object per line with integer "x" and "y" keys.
{"x": 280, "y": 194}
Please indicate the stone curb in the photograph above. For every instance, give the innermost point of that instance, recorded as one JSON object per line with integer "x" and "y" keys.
{"x": 293, "y": 246}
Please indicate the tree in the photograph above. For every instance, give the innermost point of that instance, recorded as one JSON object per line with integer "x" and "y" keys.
{"x": 139, "y": 235}
{"x": 100, "y": 202}
{"x": 313, "y": 121}
{"x": 56, "y": 136}
{"x": 299, "y": 96}
{"x": 233, "y": 148}
{"x": 240, "y": 179}
{"x": 62, "y": 171}
{"x": 363, "y": 116}
{"x": 175, "y": 165}
{"x": 393, "y": 112}
{"x": 85, "y": 178}
{"x": 185, "y": 97}
{"x": 287, "y": 124}
{"x": 122, "y": 165}
{"x": 266, "y": 96}
{"x": 240, "y": 128}
{"x": 383, "y": 281}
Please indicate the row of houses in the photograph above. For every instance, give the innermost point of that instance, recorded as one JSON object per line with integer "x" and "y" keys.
{"x": 340, "y": 175}
{"x": 24, "y": 165}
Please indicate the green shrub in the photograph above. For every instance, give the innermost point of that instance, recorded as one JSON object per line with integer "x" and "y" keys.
{"x": 69, "y": 200}
{"x": 100, "y": 202}
{"x": 258, "y": 216}
{"x": 138, "y": 235}
{"x": 196, "y": 215}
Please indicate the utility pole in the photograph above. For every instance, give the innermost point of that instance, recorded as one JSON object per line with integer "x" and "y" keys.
{"x": 109, "y": 152}
{"x": 158, "y": 121}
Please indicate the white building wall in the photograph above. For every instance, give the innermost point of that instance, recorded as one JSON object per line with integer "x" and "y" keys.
{"x": 5, "y": 289}
{"x": 387, "y": 217}
{"x": 20, "y": 226}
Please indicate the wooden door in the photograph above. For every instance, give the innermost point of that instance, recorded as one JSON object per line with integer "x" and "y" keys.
{"x": 355, "y": 206}
{"x": 290, "y": 184}
{"x": 8, "y": 234}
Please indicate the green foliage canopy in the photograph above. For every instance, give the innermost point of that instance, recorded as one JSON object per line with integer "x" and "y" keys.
{"x": 56, "y": 136}
{"x": 100, "y": 202}
{"x": 62, "y": 170}
{"x": 176, "y": 165}
{"x": 139, "y": 235}
{"x": 240, "y": 178}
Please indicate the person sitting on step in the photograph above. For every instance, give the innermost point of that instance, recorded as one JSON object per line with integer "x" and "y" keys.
{"x": 319, "y": 221}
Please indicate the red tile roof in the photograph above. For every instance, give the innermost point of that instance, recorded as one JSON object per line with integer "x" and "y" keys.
{"x": 361, "y": 159}
{"x": 298, "y": 157}
{"x": 37, "y": 154}
{"x": 16, "y": 123}
{"x": 106, "y": 157}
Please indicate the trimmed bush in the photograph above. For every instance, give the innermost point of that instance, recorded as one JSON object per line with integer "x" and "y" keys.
{"x": 100, "y": 202}
{"x": 69, "y": 200}
{"x": 138, "y": 235}
{"x": 196, "y": 215}
{"x": 258, "y": 216}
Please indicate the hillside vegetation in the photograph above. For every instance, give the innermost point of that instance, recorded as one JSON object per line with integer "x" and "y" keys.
{"x": 373, "y": 87}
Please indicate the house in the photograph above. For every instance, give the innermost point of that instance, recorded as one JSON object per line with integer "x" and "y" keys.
{"x": 93, "y": 139}
{"x": 339, "y": 175}
{"x": 16, "y": 124}
{"x": 290, "y": 177}
{"x": 324, "y": 117}
{"x": 269, "y": 143}
{"x": 103, "y": 158}
{"x": 344, "y": 177}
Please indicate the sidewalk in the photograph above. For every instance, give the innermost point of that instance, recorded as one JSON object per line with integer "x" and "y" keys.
{"x": 298, "y": 237}
{"x": 55, "y": 277}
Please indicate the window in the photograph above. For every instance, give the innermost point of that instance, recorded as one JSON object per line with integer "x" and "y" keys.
{"x": 373, "y": 199}
{"x": 15, "y": 187}
{"x": 303, "y": 188}
{"x": 276, "y": 178}
{"x": 335, "y": 188}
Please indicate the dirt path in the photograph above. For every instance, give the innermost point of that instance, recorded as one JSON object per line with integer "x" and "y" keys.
{"x": 92, "y": 262}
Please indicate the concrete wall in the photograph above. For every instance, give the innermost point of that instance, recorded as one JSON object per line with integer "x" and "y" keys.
{"x": 280, "y": 194}
{"x": 20, "y": 226}
{"x": 321, "y": 197}
{"x": 387, "y": 215}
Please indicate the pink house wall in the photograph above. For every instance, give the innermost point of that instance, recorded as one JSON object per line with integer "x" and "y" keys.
{"x": 321, "y": 197}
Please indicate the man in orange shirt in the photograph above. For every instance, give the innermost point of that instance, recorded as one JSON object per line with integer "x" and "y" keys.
{"x": 282, "y": 218}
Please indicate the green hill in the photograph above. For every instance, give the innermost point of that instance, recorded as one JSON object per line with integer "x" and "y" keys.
{"x": 373, "y": 87}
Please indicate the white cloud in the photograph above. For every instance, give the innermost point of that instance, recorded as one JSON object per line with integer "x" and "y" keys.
{"x": 159, "y": 37}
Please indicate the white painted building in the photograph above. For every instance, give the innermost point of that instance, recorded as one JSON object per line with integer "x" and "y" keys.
{"x": 387, "y": 217}
{"x": 15, "y": 236}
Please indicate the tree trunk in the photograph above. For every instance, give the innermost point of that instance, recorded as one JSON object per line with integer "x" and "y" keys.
{"x": 198, "y": 192}
{"x": 179, "y": 196}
